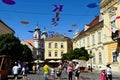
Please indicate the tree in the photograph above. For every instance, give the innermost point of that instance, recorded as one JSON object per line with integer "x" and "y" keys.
{"x": 77, "y": 53}
{"x": 11, "y": 46}
{"x": 26, "y": 55}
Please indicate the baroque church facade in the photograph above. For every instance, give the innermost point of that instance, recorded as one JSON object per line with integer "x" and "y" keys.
{"x": 37, "y": 44}
{"x": 38, "y": 41}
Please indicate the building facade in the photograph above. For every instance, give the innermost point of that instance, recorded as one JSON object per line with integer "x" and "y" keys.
{"x": 4, "y": 29}
{"x": 110, "y": 12}
{"x": 97, "y": 37}
{"x": 56, "y": 45}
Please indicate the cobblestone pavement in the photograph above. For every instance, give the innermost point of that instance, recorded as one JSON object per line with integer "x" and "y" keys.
{"x": 83, "y": 76}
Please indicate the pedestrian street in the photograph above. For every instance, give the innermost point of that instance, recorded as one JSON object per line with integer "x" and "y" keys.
{"x": 95, "y": 75}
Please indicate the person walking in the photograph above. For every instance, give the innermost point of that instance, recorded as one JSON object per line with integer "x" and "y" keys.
{"x": 77, "y": 71}
{"x": 15, "y": 70}
{"x": 103, "y": 74}
{"x": 24, "y": 72}
{"x": 46, "y": 69}
{"x": 70, "y": 71}
{"x": 108, "y": 72}
{"x": 52, "y": 72}
{"x": 59, "y": 71}
{"x": 34, "y": 69}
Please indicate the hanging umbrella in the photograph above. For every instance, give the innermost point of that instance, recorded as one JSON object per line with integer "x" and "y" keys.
{"x": 73, "y": 25}
{"x": 24, "y": 22}
{"x": 9, "y": 2}
{"x": 92, "y": 5}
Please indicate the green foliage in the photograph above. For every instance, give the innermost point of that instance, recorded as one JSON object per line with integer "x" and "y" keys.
{"x": 10, "y": 45}
{"x": 26, "y": 54}
{"x": 78, "y": 53}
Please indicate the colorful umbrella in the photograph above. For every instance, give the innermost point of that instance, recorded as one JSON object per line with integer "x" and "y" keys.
{"x": 92, "y": 5}
{"x": 24, "y": 22}
{"x": 9, "y": 2}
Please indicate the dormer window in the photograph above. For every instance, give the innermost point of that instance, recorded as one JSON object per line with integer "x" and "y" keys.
{"x": 86, "y": 27}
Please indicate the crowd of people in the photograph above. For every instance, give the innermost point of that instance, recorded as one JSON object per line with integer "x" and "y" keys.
{"x": 51, "y": 71}
{"x": 69, "y": 67}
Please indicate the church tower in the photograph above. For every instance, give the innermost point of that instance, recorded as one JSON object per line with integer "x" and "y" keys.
{"x": 44, "y": 34}
{"x": 37, "y": 42}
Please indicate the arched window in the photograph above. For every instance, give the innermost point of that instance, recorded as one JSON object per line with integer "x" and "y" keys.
{"x": 114, "y": 54}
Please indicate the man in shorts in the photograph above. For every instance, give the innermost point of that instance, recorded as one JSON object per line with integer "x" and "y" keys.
{"x": 46, "y": 71}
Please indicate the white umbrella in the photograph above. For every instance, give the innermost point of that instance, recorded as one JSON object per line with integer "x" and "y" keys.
{"x": 52, "y": 61}
{"x": 75, "y": 60}
{"x": 58, "y": 61}
{"x": 38, "y": 61}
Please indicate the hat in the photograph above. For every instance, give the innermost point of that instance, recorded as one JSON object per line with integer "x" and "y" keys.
{"x": 108, "y": 63}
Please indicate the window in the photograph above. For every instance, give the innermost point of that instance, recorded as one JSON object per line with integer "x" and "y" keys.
{"x": 112, "y": 20}
{"x": 94, "y": 60}
{"x": 115, "y": 54}
{"x": 62, "y": 53}
{"x": 55, "y": 45}
{"x": 80, "y": 43}
{"x": 49, "y": 45}
{"x": 62, "y": 46}
{"x": 55, "y": 53}
{"x": 49, "y": 54}
{"x": 93, "y": 39}
{"x": 100, "y": 57}
{"x": 99, "y": 37}
{"x": 83, "y": 41}
{"x": 88, "y": 41}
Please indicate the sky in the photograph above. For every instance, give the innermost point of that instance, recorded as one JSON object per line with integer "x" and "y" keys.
{"x": 40, "y": 12}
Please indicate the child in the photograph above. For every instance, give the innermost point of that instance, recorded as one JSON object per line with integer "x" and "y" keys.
{"x": 103, "y": 74}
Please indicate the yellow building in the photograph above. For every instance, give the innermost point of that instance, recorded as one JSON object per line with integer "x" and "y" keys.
{"x": 91, "y": 38}
{"x": 110, "y": 10}
{"x": 96, "y": 37}
{"x": 56, "y": 45}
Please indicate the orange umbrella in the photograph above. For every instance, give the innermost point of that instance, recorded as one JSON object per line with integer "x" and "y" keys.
{"x": 24, "y": 22}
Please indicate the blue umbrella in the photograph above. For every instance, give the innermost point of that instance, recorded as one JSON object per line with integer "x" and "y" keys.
{"x": 92, "y": 5}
